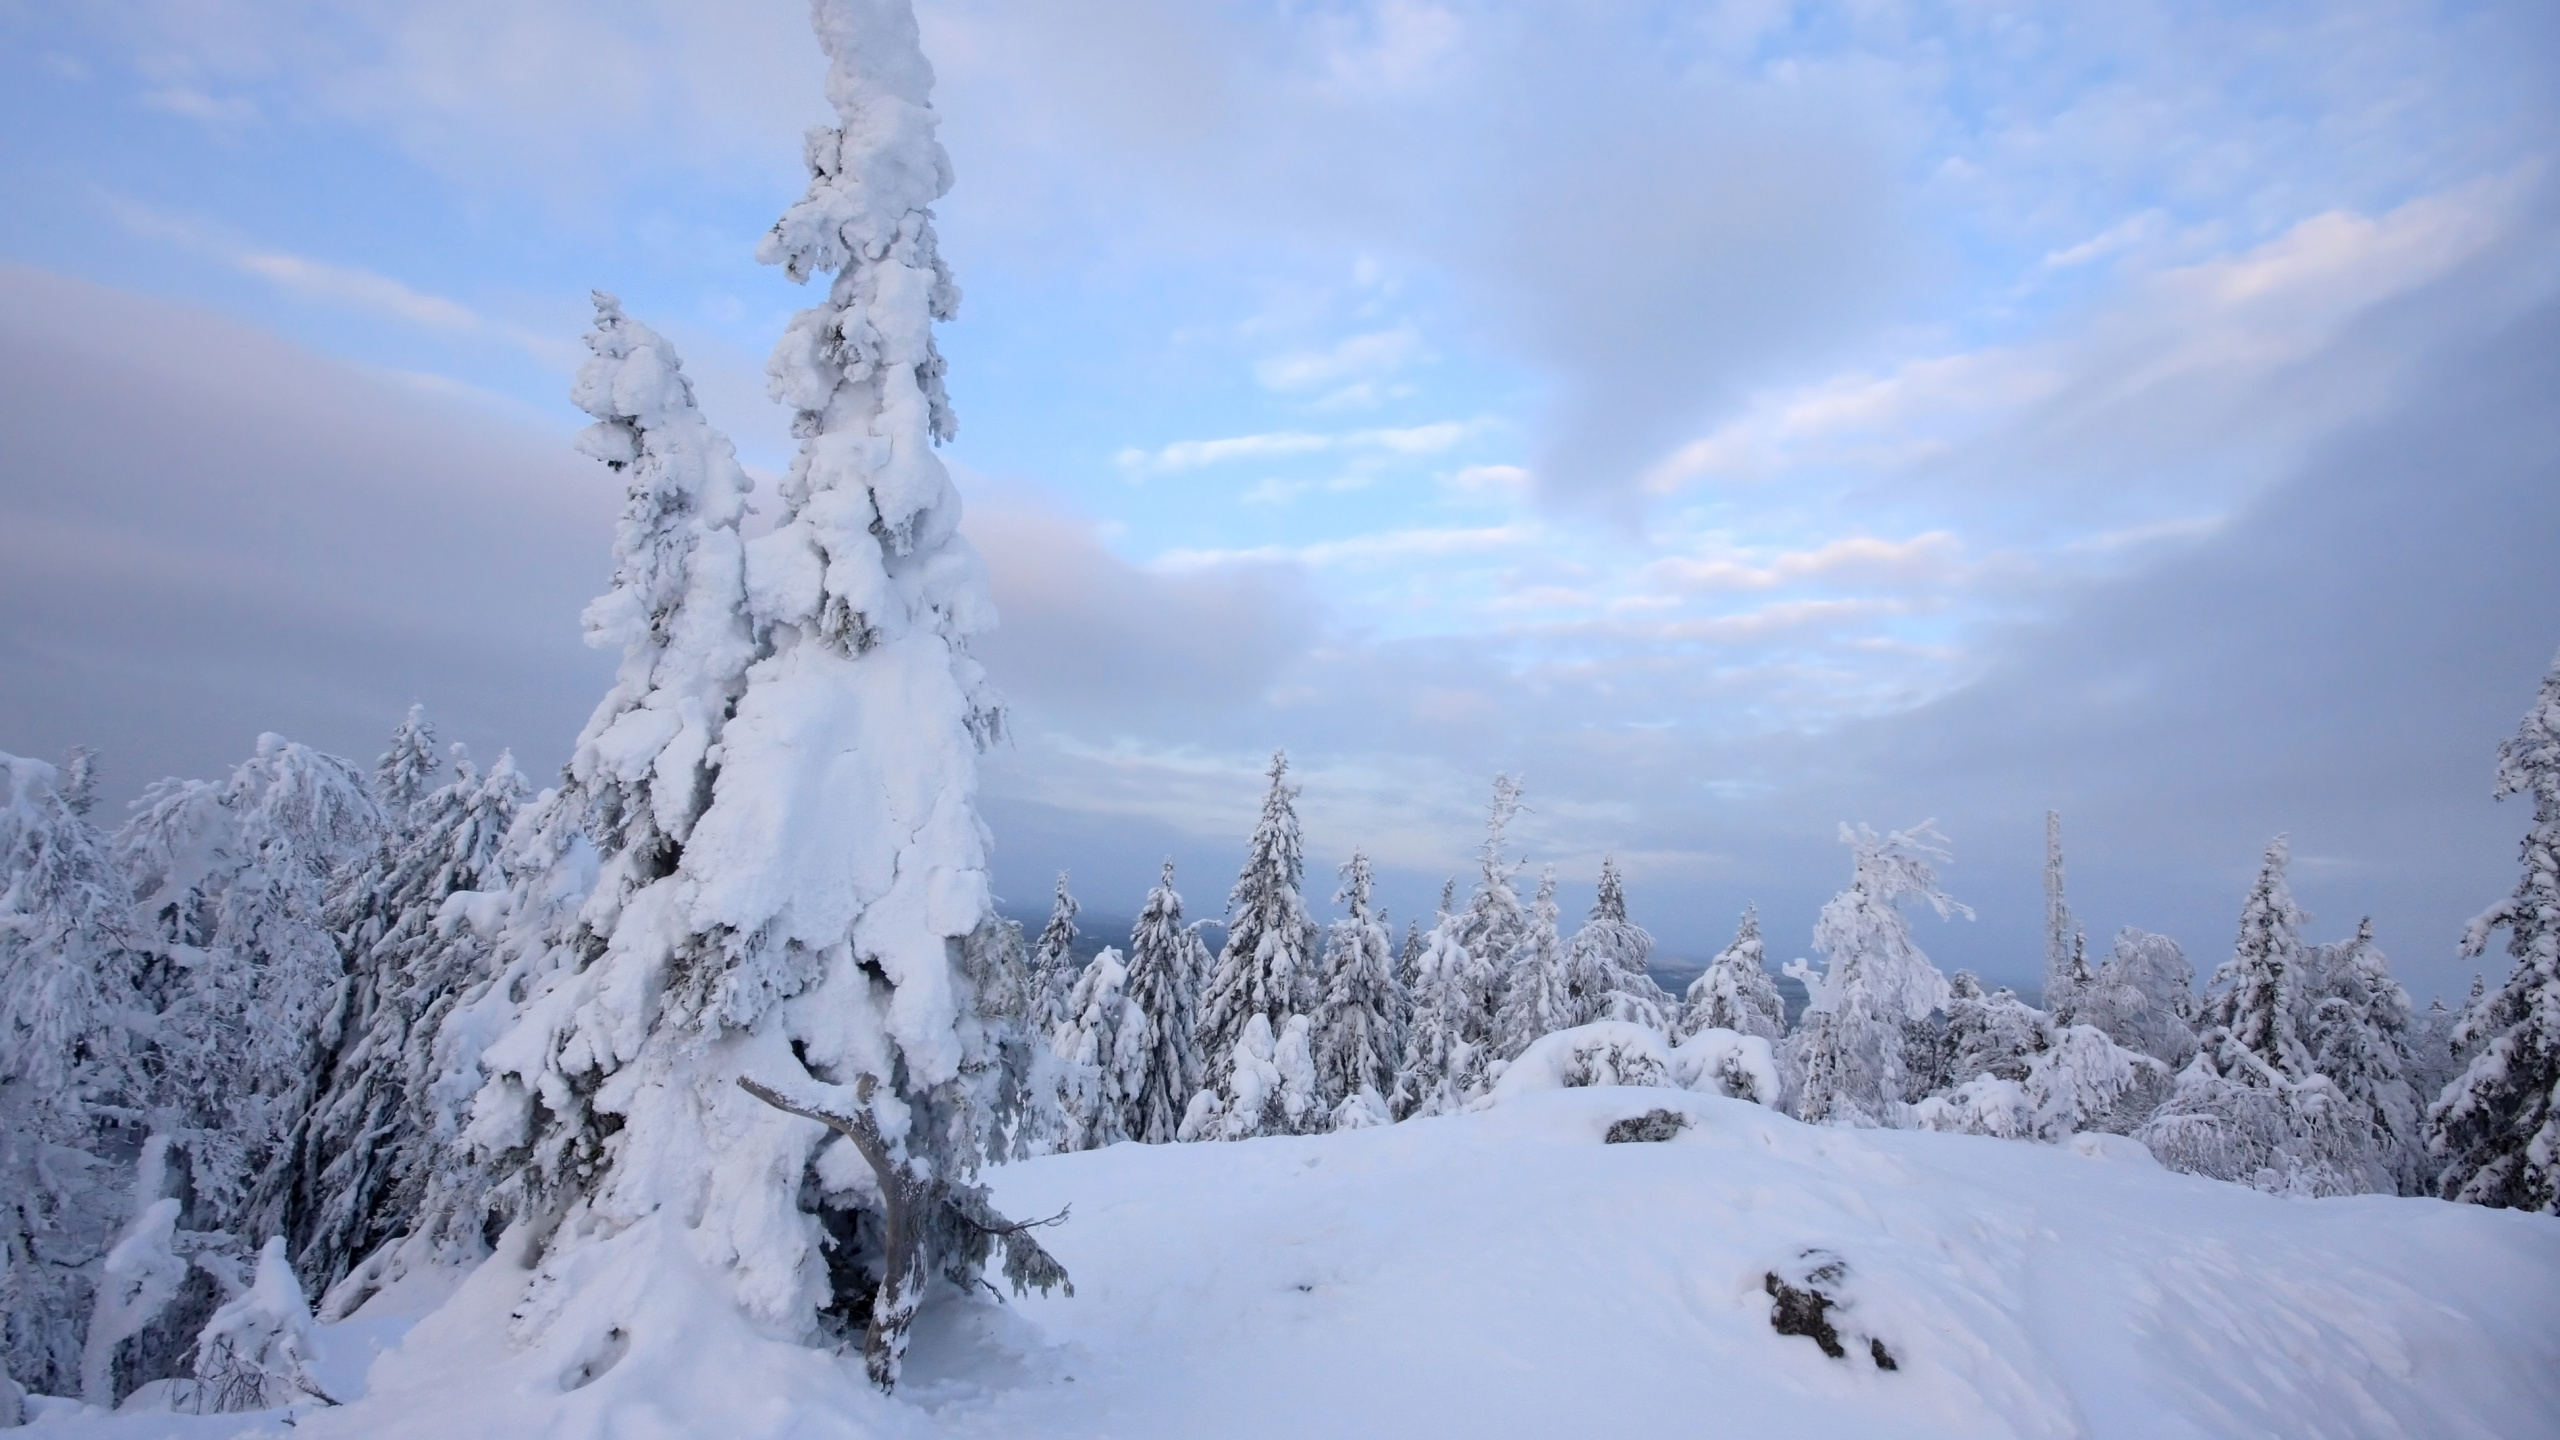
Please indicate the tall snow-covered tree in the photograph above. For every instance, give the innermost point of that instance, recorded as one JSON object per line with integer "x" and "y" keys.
{"x": 1877, "y": 982}
{"x": 1604, "y": 963}
{"x": 1492, "y": 925}
{"x": 1053, "y": 965}
{"x": 1268, "y": 965}
{"x": 791, "y": 933}
{"x": 363, "y": 1153}
{"x": 1358, "y": 1033}
{"x": 2256, "y": 993}
{"x": 2356, "y": 1025}
{"x": 1447, "y": 1042}
{"x": 2250, "y": 1107}
{"x": 1735, "y": 992}
{"x": 72, "y": 1054}
{"x": 2066, "y": 965}
{"x": 1102, "y": 1045}
{"x": 1166, "y": 962}
{"x": 1537, "y": 991}
{"x": 232, "y": 883}
{"x": 2497, "y": 1126}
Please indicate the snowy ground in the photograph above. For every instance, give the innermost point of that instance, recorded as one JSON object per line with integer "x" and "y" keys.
{"x": 1507, "y": 1274}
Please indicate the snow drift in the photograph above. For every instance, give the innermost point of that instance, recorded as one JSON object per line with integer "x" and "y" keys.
{"x": 1506, "y": 1272}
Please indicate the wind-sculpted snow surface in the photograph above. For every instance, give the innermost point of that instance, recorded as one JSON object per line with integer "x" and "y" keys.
{"x": 1507, "y": 1273}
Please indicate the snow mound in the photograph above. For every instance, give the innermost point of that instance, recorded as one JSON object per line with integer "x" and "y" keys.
{"x": 1507, "y": 1273}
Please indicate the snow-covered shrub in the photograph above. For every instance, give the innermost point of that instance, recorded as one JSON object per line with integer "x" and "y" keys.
{"x": 2078, "y": 1082}
{"x": 2143, "y": 995}
{"x": 255, "y": 1353}
{"x": 1619, "y": 1052}
{"x": 1735, "y": 992}
{"x": 2267, "y": 1130}
{"x": 1729, "y": 1063}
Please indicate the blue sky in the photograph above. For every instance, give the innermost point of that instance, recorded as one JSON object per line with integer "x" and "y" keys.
{"x": 1738, "y": 418}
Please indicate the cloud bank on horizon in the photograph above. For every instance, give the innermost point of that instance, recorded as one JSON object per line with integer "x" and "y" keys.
{"x": 1736, "y": 418}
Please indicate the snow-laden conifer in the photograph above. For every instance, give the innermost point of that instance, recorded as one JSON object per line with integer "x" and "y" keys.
{"x": 1269, "y": 1087}
{"x": 2250, "y": 1107}
{"x": 1447, "y": 1042}
{"x": 1851, "y": 1066}
{"x": 1102, "y": 1050}
{"x": 1735, "y": 992}
{"x": 2356, "y": 1025}
{"x": 1537, "y": 992}
{"x": 1053, "y": 966}
{"x": 2256, "y": 993}
{"x": 1605, "y": 962}
{"x": 1358, "y": 1034}
{"x": 1166, "y": 962}
{"x": 2079, "y": 1081}
{"x": 2143, "y": 996}
{"x": 791, "y": 940}
{"x": 1991, "y": 1032}
{"x": 2497, "y": 1126}
{"x": 1268, "y": 966}
{"x": 363, "y": 1155}
{"x": 232, "y": 883}
{"x": 72, "y": 1036}
{"x": 407, "y": 770}
{"x": 1492, "y": 925}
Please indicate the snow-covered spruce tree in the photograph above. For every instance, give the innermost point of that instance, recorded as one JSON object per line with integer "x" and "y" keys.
{"x": 1537, "y": 994}
{"x": 1735, "y": 992}
{"x": 1991, "y": 1033}
{"x": 364, "y": 1152}
{"x": 1102, "y": 1050}
{"x": 71, "y": 1069}
{"x": 406, "y": 773}
{"x": 2250, "y": 1107}
{"x": 1604, "y": 963}
{"x": 793, "y": 892}
{"x": 1851, "y": 1067}
{"x": 2356, "y": 1024}
{"x": 1358, "y": 1037}
{"x": 2066, "y": 964}
{"x": 1166, "y": 962}
{"x": 2143, "y": 996}
{"x": 2496, "y": 1128}
{"x": 232, "y": 883}
{"x": 1053, "y": 966}
{"x": 1447, "y": 1045}
{"x": 1494, "y": 920}
{"x": 1268, "y": 965}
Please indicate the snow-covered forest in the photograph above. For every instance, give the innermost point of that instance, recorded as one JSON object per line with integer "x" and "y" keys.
{"x": 720, "y": 1032}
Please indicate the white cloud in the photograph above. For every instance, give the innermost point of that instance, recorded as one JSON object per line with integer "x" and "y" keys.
{"x": 1359, "y": 358}
{"x": 1196, "y": 454}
